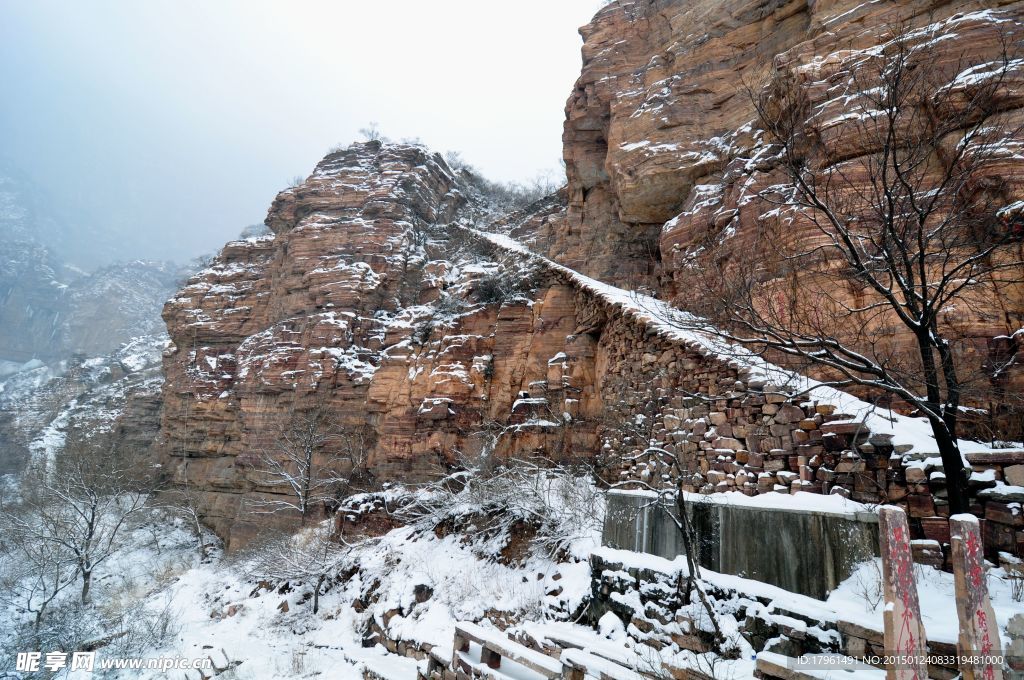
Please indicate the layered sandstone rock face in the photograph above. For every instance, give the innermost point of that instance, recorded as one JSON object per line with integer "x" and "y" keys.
{"x": 665, "y": 156}
{"x": 660, "y": 92}
{"x": 371, "y": 299}
{"x": 363, "y": 303}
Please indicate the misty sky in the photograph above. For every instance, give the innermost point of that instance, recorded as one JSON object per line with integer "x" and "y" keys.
{"x": 178, "y": 120}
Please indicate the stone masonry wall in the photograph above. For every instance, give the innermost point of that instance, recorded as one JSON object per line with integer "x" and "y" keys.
{"x": 736, "y": 432}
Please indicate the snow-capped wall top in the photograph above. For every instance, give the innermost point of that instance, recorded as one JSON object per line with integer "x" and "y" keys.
{"x": 662, "y": 319}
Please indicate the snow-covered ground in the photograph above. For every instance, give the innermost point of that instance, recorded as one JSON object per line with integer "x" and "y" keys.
{"x": 222, "y": 610}
{"x": 254, "y": 629}
{"x": 858, "y": 599}
{"x": 225, "y": 613}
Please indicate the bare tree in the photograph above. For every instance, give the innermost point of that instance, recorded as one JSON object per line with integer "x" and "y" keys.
{"x": 184, "y": 502}
{"x": 81, "y": 506}
{"x": 33, "y": 573}
{"x": 630, "y": 439}
{"x": 371, "y": 133}
{"x": 314, "y": 461}
{"x": 561, "y": 501}
{"x": 889, "y": 227}
{"x": 308, "y": 556}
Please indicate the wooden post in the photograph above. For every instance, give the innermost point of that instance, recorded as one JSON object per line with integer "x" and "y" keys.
{"x": 904, "y": 631}
{"x": 461, "y": 642}
{"x": 979, "y": 633}
{"x": 490, "y": 657}
{"x": 573, "y": 671}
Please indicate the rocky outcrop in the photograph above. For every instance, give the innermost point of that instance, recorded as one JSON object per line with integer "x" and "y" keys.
{"x": 664, "y": 101}
{"x": 660, "y": 94}
{"x": 363, "y": 303}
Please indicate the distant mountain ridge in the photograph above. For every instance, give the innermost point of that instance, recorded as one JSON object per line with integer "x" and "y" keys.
{"x": 80, "y": 337}
{"x": 50, "y": 307}
{"x": 30, "y": 213}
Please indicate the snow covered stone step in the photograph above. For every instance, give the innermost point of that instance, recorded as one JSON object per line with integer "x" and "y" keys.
{"x": 483, "y": 650}
{"x": 388, "y": 667}
{"x": 584, "y": 665}
{"x": 437, "y": 661}
{"x": 579, "y": 638}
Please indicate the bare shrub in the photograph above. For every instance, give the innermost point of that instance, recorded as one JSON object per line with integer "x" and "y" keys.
{"x": 310, "y": 557}
{"x": 371, "y": 133}
{"x": 562, "y": 502}
{"x": 868, "y": 586}
{"x": 512, "y": 281}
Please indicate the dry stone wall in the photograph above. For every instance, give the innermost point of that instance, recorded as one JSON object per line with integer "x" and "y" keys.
{"x": 736, "y": 432}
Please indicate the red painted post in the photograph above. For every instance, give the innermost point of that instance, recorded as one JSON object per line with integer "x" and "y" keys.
{"x": 905, "y": 639}
{"x": 978, "y": 644}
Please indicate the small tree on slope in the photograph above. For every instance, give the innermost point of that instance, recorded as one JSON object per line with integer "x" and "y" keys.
{"x": 33, "y": 573}
{"x": 310, "y": 556}
{"x": 80, "y": 507}
{"x": 314, "y": 461}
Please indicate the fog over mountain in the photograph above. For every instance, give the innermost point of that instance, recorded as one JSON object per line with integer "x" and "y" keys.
{"x": 157, "y": 129}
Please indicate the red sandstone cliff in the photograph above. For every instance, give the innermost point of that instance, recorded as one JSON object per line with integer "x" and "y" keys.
{"x": 368, "y": 298}
{"x": 666, "y": 161}
{"x": 363, "y": 301}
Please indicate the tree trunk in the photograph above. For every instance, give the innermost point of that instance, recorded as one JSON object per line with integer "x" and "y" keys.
{"x": 86, "y": 584}
{"x": 307, "y": 482}
{"x": 945, "y": 437}
{"x": 949, "y": 448}
{"x": 953, "y": 467}
{"x": 692, "y": 563}
{"x": 197, "y": 529}
{"x": 316, "y": 592}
